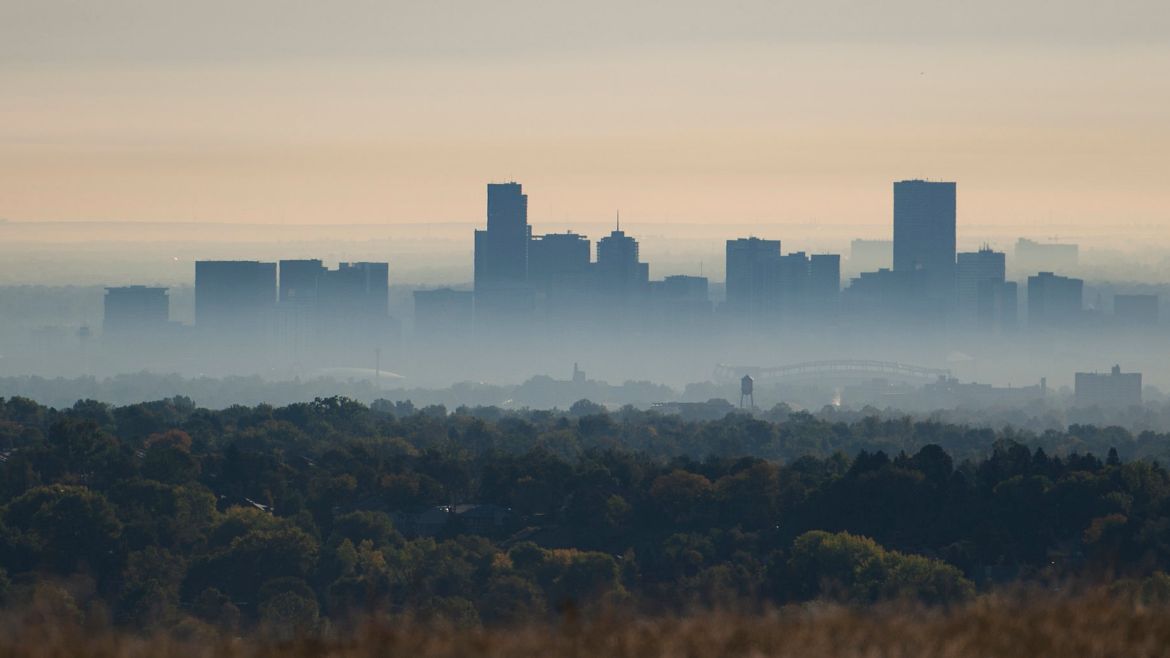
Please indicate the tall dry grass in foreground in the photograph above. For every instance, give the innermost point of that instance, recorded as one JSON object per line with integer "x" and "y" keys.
{"x": 1083, "y": 626}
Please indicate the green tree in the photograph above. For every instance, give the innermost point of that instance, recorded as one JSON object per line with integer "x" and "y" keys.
{"x": 65, "y": 528}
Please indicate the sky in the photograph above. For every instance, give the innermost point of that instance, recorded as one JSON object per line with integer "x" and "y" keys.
{"x": 1053, "y": 116}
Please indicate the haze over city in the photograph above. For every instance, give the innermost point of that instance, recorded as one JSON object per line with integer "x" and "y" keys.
{"x": 434, "y": 328}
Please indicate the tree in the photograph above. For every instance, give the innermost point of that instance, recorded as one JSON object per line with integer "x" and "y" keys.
{"x": 857, "y": 569}
{"x": 65, "y": 528}
{"x": 681, "y": 497}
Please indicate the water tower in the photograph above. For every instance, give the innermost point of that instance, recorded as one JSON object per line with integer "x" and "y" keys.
{"x": 745, "y": 392}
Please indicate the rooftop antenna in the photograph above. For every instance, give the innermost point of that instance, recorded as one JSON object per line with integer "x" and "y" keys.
{"x": 619, "y": 220}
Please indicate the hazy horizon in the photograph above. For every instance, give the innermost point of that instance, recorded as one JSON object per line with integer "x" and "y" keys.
{"x": 771, "y": 114}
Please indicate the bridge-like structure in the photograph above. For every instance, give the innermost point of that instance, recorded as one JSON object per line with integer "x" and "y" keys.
{"x": 832, "y": 370}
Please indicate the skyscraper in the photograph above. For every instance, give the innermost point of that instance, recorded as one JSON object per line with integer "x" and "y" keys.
{"x": 753, "y": 276}
{"x": 234, "y": 295}
{"x": 824, "y": 282}
{"x": 558, "y": 260}
{"x": 973, "y": 270}
{"x": 618, "y": 270}
{"x": 502, "y": 291}
{"x": 135, "y": 311}
{"x": 1054, "y": 300}
{"x": 298, "y": 281}
{"x": 501, "y": 251}
{"x": 924, "y": 233}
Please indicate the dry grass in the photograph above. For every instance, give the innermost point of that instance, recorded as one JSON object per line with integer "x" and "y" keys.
{"x": 1083, "y": 626}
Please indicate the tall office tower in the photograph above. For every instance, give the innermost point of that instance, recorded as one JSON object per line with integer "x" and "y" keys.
{"x": 366, "y": 286}
{"x": 618, "y": 270}
{"x": 680, "y": 303}
{"x": 135, "y": 311}
{"x": 501, "y": 251}
{"x": 558, "y": 260}
{"x": 502, "y": 291}
{"x": 1054, "y": 300}
{"x": 753, "y": 276}
{"x": 924, "y": 233}
{"x": 824, "y": 281}
{"x": 298, "y": 281}
{"x": 793, "y": 283}
{"x": 683, "y": 288}
{"x": 234, "y": 295}
{"x": 997, "y": 306}
{"x": 352, "y": 308}
{"x": 972, "y": 270}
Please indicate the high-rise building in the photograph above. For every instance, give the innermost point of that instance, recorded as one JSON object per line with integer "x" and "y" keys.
{"x": 974, "y": 269}
{"x": 618, "y": 270}
{"x": 501, "y": 251}
{"x": 753, "y": 276}
{"x": 924, "y": 232}
{"x": 1116, "y": 389}
{"x": 890, "y": 295}
{"x": 793, "y": 283}
{"x": 234, "y": 295}
{"x": 824, "y": 280}
{"x": 558, "y": 260}
{"x": 1054, "y": 300}
{"x": 502, "y": 290}
{"x": 298, "y": 281}
{"x": 1136, "y": 310}
{"x": 135, "y": 311}
{"x": 680, "y": 303}
{"x": 354, "y": 290}
{"x": 997, "y": 306}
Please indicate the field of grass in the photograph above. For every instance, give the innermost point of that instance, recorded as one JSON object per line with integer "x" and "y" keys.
{"x": 1094, "y": 624}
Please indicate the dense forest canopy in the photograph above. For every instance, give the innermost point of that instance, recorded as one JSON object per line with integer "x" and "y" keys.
{"x": 163, "y": 513}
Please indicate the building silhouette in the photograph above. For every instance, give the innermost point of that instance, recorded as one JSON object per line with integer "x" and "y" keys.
{"x": 1116, "y": 389}
{"x": 557, "y": 261}
{"x": 753, "y": 277}
{"x": 924, "y": 233}
{"x": 135, "y": 311}
{"x": 502, "y": 290}
{"x": 354, "y": 290}
{"x": 334, "y": 314}
{"x": 680, "y": 303}
{"x": 809, "y": 285}
{"x": 234, "y": 296}
{"x": 824, "y": 280}
{"x": 298, "y": 281}
{"x": 1054, "y": 300}
{"x": 618, "y": 272}
{"x": 979, "y": 279}
{"x": 997, "y": 306}
{"x": 899, "y": 297}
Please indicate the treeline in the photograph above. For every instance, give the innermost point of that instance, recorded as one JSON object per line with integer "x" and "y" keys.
{"x": 162, "y": 514}
{"x": 543, "y": 392}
